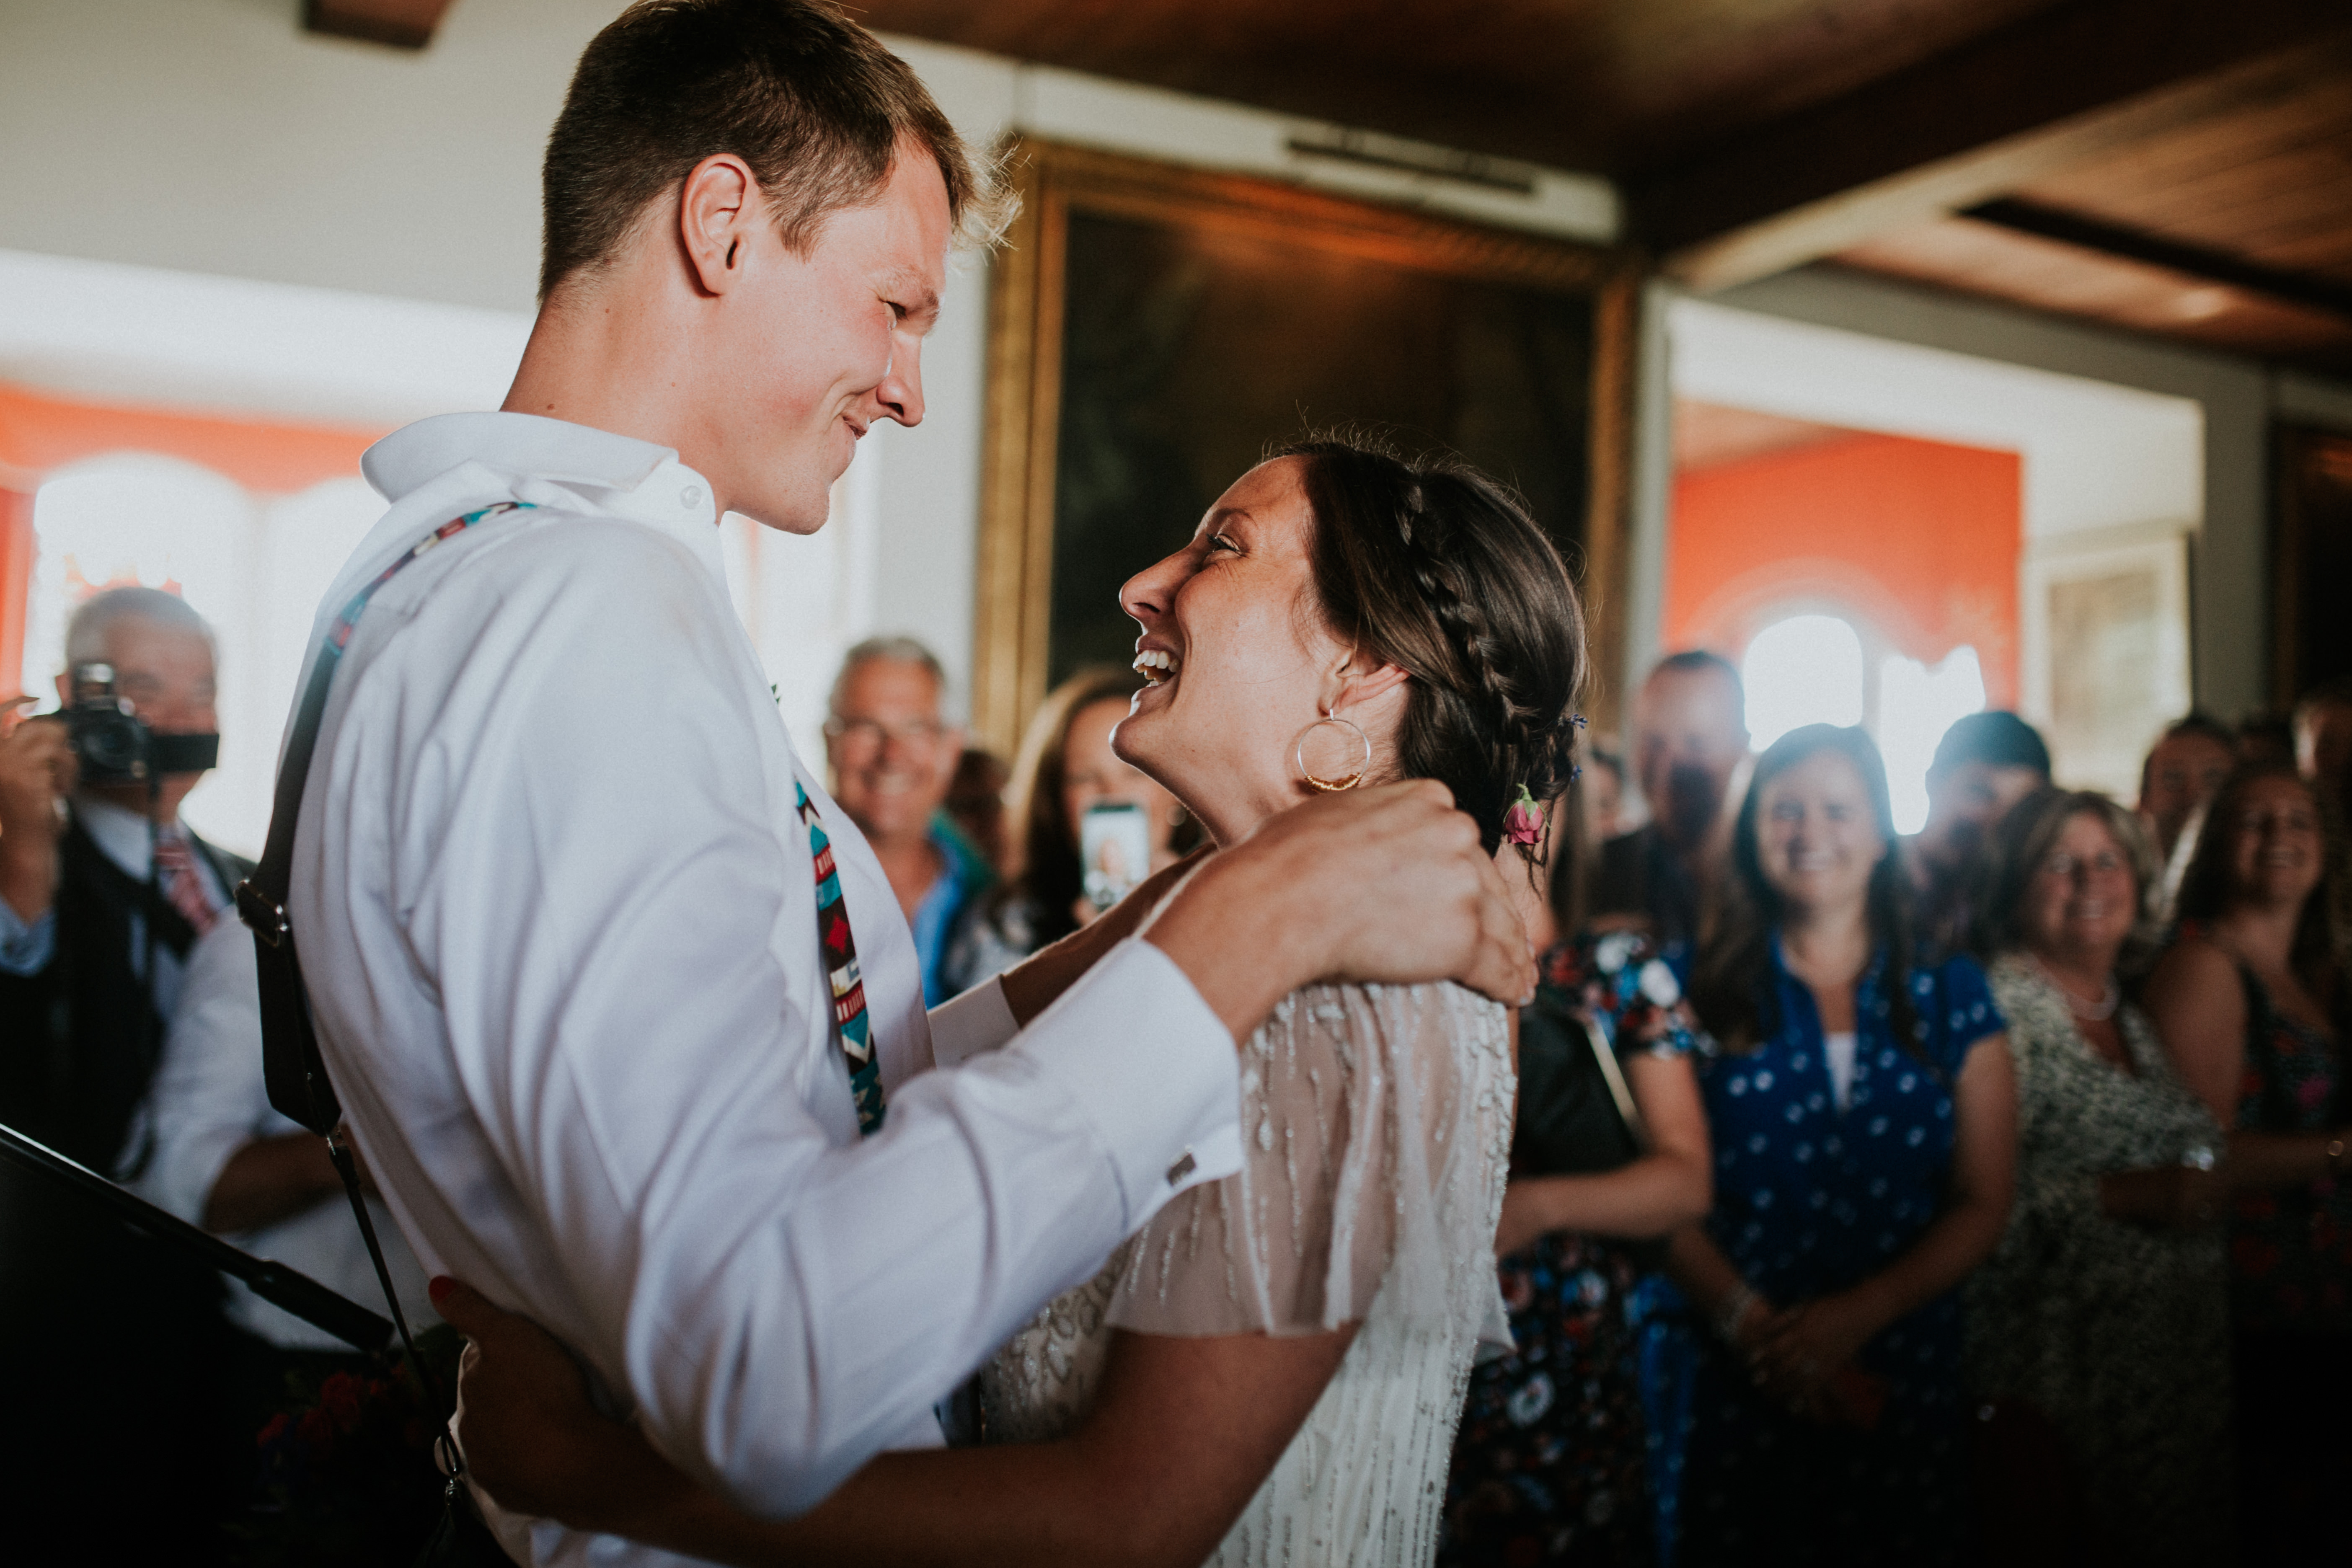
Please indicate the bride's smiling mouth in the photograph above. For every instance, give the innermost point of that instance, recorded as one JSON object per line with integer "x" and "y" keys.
{"x": 1157, "y": 665}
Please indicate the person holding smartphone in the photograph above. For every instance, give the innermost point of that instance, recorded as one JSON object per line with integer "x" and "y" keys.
{"x": 1066, "y": 777}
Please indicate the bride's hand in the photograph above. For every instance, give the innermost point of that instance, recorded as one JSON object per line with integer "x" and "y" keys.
{"x": 532, "y": 1440}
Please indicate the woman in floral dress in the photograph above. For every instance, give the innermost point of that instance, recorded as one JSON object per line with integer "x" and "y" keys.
{"x": 2249, "y": 1002}
{"x": 2102, "y": 1309}
{"x": 1547, "y": 1466}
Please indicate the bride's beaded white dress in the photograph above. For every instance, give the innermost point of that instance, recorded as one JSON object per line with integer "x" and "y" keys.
{"x": 1376, "y": 1126}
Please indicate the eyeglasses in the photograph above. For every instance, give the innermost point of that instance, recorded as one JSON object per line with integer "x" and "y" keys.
{"x": 2062, "y": 865}
{"x": 872, "y": 734}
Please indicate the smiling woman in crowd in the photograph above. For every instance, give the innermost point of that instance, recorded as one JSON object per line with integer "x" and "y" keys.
{"x": 1066, "y": 764}
{"x": 2102, "y": 1309}
{"x": 1864, "y": 1116}
{"x": 2249, "y": 1003}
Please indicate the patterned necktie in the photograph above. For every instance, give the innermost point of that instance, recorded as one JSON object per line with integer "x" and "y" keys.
{"x": 841, "y": 968}
{"x": 182, "y": 883}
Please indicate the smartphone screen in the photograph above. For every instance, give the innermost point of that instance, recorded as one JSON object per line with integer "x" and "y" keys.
{"x": 1115, "y": 847}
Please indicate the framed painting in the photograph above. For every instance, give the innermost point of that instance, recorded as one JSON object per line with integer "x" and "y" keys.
{"x": 1154, "y": 329}
{"x": 2106, "y": 649}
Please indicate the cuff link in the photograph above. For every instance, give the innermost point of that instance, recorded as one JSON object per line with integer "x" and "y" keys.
{"x": 1182, "y": 1168}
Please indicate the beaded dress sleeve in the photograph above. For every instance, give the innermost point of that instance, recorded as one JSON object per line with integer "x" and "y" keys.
{"x": 1371, "y": 1118}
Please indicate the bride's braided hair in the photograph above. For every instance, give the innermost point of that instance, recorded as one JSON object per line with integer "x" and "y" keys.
{"x": 1440, "y": 571}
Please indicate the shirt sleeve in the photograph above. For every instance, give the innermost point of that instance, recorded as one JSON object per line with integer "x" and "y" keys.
{"x": 979, "y": 1020}
{"x": 26, "y": 946}
{"x": 1619, "y": 980}
{"x": 1969, "y": 1012}
{"x": 1359, "y": 1111}
{"x": 624, "y": 958}
{"x": 209, "y": 1100}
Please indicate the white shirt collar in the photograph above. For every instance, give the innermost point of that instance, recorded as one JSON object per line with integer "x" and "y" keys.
{"x": 549, "y": 462}
{"x": 554, "y": 450}
{"x": 629, "y": 477}
{"x": 119, "y": 833}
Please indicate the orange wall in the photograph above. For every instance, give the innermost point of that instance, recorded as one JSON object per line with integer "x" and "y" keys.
{"x": 15, "y": 584}
{"x": 40, "y": 433}
{"x": 1917, "y": 539}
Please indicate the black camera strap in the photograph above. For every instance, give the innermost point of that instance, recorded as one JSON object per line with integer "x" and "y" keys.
{"x": 292, "y": 1067}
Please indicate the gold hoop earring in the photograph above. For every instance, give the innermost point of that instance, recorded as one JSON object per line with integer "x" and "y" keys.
{"x": 1332, "y": 786}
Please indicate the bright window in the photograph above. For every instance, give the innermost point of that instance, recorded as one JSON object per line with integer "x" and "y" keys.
{"x": 1915, "y": 706}
{"x": 1803, "y": 670}
{"x": 1812, "y": 669}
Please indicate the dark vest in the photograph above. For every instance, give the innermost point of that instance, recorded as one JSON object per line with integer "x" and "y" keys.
{"x": 80, "y": 1039}
{"x": 111, "y": 1343}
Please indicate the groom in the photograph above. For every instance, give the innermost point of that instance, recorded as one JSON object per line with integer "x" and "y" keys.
{"x": 561, "y": 878}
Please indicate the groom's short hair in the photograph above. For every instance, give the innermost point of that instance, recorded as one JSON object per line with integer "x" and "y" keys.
{"x": 807, "y": 97}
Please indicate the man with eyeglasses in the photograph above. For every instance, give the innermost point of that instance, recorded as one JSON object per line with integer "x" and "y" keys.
{"x": 894, "y": 759}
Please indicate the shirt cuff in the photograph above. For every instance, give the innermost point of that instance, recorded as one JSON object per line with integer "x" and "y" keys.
{"x": 1152, "y": 1067}
{"x": 979, "y": 1020}
{"x": 26, "y": 948}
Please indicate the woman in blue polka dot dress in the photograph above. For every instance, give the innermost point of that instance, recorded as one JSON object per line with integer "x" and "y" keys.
{"x": 1863, "y": 1117}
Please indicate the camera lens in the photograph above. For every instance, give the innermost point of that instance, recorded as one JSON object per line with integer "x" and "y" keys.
{"x": 113, "y": 746}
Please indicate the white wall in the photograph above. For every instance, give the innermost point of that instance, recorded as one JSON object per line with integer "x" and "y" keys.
{"x": 216, "y": 136}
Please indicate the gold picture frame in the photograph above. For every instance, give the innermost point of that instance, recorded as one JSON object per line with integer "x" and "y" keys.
{"x": 1028, "y": 306}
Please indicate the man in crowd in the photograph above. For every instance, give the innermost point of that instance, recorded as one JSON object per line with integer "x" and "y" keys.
{"x": 613, "y": 990}
{"x": 1690, "y": 738}
{"x": 114, "y": 1340}
{"x": 894, "y": 759}
{"x": 2185, "y": 769}
{"x": 2323, "y": 739}
{"x": 1985, "y": 764}
{"x": 80, "y": 914}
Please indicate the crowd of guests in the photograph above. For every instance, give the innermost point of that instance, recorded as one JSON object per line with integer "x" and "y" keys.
{"x": 1968, "y": 1194}
{"x": 2020, "y": 1234}
{"x": 1977, "y": 1193}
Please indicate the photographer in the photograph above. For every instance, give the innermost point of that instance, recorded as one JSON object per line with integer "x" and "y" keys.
{"x": 81, "y": 909}
{"x": 112, "y": 1346}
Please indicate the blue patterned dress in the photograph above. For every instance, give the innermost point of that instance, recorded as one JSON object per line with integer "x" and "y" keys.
{"x": 1809, "y": 1200}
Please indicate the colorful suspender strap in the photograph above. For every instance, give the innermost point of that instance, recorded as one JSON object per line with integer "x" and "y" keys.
{"x": 841, "y": 968}
{"x": 339, "y": 636}
{"x": 293, "y": 1069}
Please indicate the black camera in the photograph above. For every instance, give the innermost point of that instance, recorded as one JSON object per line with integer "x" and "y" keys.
{"x": 115, "y": 747}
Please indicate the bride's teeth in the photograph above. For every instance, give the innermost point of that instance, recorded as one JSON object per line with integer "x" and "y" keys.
{"x": 1154, "y": 664}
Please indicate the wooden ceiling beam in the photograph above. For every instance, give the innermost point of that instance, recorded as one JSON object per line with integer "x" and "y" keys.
{"x": 2191, "y": 260}
{"x": 401, "y": 24}
{"x": 1966, "y": 126}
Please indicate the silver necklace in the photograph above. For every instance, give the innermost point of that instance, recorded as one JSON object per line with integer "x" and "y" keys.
{"x": 2098, "y": 1012}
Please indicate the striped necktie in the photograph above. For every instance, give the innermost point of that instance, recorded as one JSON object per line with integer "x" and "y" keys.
{"x": 184, "y": 884}
{"x": 840, "y": 944}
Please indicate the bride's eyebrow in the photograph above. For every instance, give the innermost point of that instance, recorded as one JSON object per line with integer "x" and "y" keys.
{"x": 1219, "y": 518}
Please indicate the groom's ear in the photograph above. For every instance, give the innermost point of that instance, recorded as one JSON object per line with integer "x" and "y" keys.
{"x": 717, "y": 205}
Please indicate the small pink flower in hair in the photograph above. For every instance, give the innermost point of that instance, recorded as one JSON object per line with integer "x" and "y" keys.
{"x": 1524, "y": 823}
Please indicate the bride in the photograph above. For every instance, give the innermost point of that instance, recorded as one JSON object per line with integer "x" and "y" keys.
{"x": 1272, "y": 1369}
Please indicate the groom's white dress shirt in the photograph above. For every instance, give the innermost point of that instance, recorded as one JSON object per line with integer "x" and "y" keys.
{"x": 557, "y": 916}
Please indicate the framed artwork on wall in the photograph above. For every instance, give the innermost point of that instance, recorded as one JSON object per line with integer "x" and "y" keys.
{"x": 1153, "y": 329}
{"x": 2106, "y": 649}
